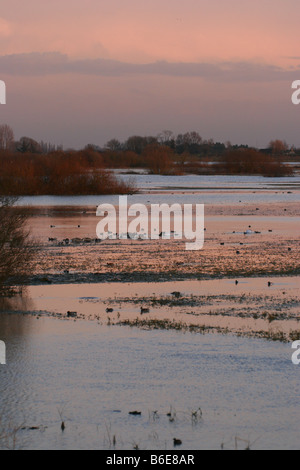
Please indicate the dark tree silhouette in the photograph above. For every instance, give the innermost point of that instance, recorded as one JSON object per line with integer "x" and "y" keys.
{"x": 6, "y": 137}
{"x": 16, "y": 249}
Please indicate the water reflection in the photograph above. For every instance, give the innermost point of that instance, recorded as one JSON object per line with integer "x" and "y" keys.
{"x": 90, "y": 371}
{"x": 17, "y": 303}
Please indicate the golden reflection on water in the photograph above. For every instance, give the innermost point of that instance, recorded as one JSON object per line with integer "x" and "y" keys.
{"x": 251, "y": 306}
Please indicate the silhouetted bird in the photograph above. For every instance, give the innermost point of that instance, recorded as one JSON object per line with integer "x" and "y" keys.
{"x": 144, "y": 310}
{"x": 177, "y": 442}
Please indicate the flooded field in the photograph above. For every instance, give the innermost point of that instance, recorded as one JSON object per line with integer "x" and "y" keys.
{"x": 248, "y": 307}
{"x": 235, "y": 246}
{"x": 197, "y": 342}
{"x": 209, "y": 190}
{"x": 211, "y": 391}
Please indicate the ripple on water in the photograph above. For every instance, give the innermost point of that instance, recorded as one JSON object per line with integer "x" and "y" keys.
{"x": 82, "y": 371}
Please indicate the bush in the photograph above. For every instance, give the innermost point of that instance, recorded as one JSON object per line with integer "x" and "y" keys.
{"x": 159, "y": 159}
{"x": 16, "y": 249}
{"x": 58, "y": 173}
{"x": 252, "y": 162}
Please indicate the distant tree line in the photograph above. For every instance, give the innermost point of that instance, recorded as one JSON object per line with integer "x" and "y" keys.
{"x": 190, "y": 143}
{"x": 25, "y": 144}
{"x": 32, "y": 168}
{"x": 189, "y": 153}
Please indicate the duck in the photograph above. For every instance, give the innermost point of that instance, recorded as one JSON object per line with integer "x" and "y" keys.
{"x": 177, "y": 442}
{"x": 144, "y": 310}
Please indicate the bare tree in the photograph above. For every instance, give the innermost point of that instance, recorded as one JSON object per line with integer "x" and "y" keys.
{"x": 26, "y": 144}
{"x": 159, "y": 158}
{"x": 113, "y": 144}
{"x": 6, "y": 137}
{"x": 16, "y": 249}
{"x": 189, "y": 142}
{"x": 278, "y": 146}
{"x": 165, "y": 136}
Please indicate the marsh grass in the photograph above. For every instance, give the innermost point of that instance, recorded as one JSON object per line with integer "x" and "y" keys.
{"x": 110, "y": 438}
{"x": 155, "y": 324}
{"x": 9, "y": 435}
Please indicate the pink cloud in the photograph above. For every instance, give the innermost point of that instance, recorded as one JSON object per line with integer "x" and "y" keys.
{"x": 170, "y": 30}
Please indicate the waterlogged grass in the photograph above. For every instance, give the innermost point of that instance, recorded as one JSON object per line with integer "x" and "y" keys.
{"x": 278, "y": 336}
{"x": 248, "y": 309}
{"x": 155, "y": 324}
{"x": 266, "y": 307}
{"x": 150, "y": 261}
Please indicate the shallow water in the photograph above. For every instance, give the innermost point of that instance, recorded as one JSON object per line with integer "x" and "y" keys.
{"x": 156, "y": 189}
{"x": 91, "y": 375}
{"x": 211, "y": 304}
{"x": 94, "y": 375}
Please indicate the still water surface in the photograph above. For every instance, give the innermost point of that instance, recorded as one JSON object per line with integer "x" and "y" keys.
{"x": 188, "y": 189}
{"x": 94, "y": 375}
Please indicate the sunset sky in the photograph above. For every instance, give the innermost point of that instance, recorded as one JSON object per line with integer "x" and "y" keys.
{"x": 80, "y": 72}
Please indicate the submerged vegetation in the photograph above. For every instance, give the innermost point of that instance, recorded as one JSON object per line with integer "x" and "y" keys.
{"x": 165, "y": 324}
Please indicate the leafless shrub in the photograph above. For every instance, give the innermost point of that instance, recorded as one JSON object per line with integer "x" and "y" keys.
{"x": 8, "y": 435}
{"x": 16, "y": 248}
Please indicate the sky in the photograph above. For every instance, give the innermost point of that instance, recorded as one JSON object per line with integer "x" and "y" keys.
{"x": 80, "y": 72}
